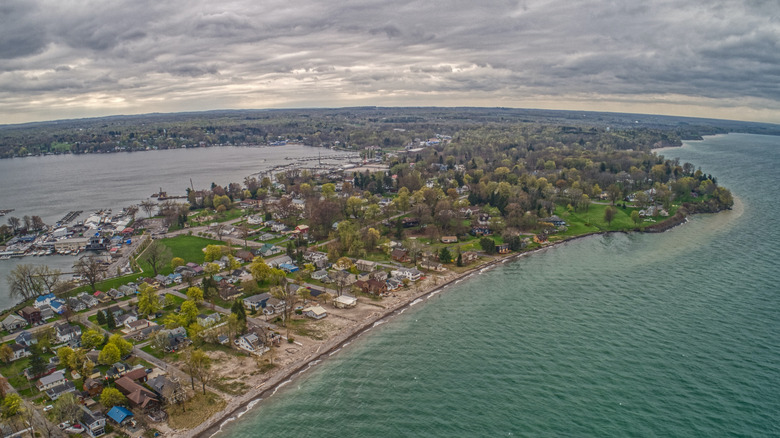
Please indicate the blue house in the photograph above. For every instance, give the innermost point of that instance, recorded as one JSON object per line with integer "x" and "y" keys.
{"x": 119, "y": 414}
{"x": 43, "y": 300}
{"x": 58, "y": 306}
{"x": 288, "y": 267}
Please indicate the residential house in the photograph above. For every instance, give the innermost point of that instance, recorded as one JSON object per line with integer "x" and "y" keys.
{"x": 321, "y": 275}
{"x": 116, "y": 293}
{"x": 400, "y": 255}
{"x": 89, "y": 300}
{"x": 365, "y": 265}
{"x": 43, "y": 300}
{"x": 58, "y": 391}
{"x": 126, "y": 319}
{"x": 343, "y": 278}
{"x": 25, "y": 338}
{"x": 137, "y": 374}
{"x": 469, "y": 257}
{"x": 379, "y": 275}
{"x": 256, "y": 302}
{"x": 410, "y": 273}
{"x": 251, "y": 343}
{"x": 266, "y": 236}
{"x": 278, "y": 261}
{"x": 227, "y": 291}
{"x": 31, "y": 315}
{"x": 51, "y": 380}
{"x": 162, "y": 385}
{"x": 208, "y": 320}
{"x": 175, "y": 278}
{"x": 76, "y": 305}
{"x": 480, "y": 230}
{"x": 288, "y": 267}
{"x": 245, "y": 256}
{"x": 302, "y": 229}
{"x": 13, "y": 322}
{"x": 268, "y": 250}
{"x": 540, "y": 238}
{"x": 117, "y": 370}
{"x": 409, "y": 222}
{"x": 47, "y": 313}
{"x": 176, "y": 339}
{"x": 316, "y": 312}
{"x": 65, "y": 332}
{"x": 372, "y": 286}
{"x": 94, "y": 422}
{"x": 273, "y": 305}
{"x": 102, "y": 297}
{"x": 344, "y": 301}
{"x": 19, "y": 351}
{"x": 502, "y": 248}
{"x": 394, "y": 284}
{"x": 93, "y": 387}
{"x": 432, "y": 265}
{"x": 554, "y": 220}
{"x": 57, "y": 306}
{"x": 449, "y": 239}
{"x": 137, "y": 325}
{"x": 138, "y": 396}
{"x": 119, "y": 414}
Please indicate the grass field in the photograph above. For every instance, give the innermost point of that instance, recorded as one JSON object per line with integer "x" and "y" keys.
{"x": 190, "y": 248}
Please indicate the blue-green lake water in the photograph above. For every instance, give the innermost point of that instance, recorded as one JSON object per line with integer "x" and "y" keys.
{"x": 628, "y": 335}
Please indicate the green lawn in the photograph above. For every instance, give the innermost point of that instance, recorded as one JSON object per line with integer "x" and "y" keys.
{"x": 189, "y": 248}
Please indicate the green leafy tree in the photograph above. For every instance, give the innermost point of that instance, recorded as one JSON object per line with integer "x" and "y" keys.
{"x": 488, "y": 245}
{"x": 6, "y": 353}
{"x": 195, "y": 294}
{"x": 111, "y": 397}
{"x": 65, "y": 354}
{"x": 110, "y": 320}
{"x": 67, "y": 408}
{"x": 609, "y": 215}
{"x": 91, "y": 339}
{"x": 37, "y": 362}
{"x": 199, "y": 367}
{"x": 445, "y": 256}
{"x": 635, "y": 217}
{"x": 109, "y": 354}
{"x": 148, "y": 301}
{"x": 213, "y": 252}
{"x": 459, "y": 262}
{"x": 124, "y": 346}
{"x": 12, "y": 405}
{"x": 176, "y": 262}
{"x": 190, "y": 311}
{"x": 101, "y": 318}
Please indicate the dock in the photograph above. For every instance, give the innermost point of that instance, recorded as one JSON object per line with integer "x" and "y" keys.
{"x": 69, "y": 217}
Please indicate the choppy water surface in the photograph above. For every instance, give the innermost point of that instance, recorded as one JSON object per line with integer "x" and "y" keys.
{"x": 676, "y": 334}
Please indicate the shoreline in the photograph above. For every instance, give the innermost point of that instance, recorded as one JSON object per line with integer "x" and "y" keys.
{"x": 240, "y": 405}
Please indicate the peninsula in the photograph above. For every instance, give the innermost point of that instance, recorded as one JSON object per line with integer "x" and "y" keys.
{"x": 188, "y": 310}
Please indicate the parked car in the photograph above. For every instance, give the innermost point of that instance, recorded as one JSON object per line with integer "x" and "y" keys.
{"x": 48, "y": 408}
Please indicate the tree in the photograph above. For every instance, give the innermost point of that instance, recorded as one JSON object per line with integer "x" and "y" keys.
{"x": 614, "y": 192}
{"x": 65, "y": 354}
{"x": 91, "y": 339}
{"x": 148, "y": 206}
{"x": 635, "y": 217}
{"x": 67, "y": 408}
{"x": 199, "y": 366}
{"x": 37, "y": 362}
{"x": 488, "y": 245}
{"x": 459, "y": 262}
{"x": 101, "y": 318}
{"x": 190, "y": 311}
{"x": 14, "y": 222}
{"x": 24, "y": 283}
{"x": 110, "y": 320}
{"x": 609, "y": 214}
{"x": 445, "y": 256}
{"x": 4, "y": 387}
{"x": 213, "y": 252}
{"x": 157, "y": 255}
{"x": 259, "y": 269}
{"x": 109, "y": 354}
{"x": 11, "y": 406}
{"x": 6, "y": 353}
{"x": 195, "y": 294}
{"x": 148, "y": 301}
{"x": 111, "y": 397}
{"x": 124, "y": 346}
{"x": 176, "y": 262}
{"x": 90, "y": 269}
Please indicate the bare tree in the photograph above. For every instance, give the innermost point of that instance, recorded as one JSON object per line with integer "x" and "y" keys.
{"x": 14, "y": 222}
{"x": 132, "y": 210}
{"x": 90, "y": 269}
{"x": 24, "y": 283}
{"x": 157, "y": 255}
{"x": 49, "y": 277}
{"x": 148, "y": 206}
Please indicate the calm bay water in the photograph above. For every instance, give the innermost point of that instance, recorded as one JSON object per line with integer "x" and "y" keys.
{"x": 51, "y": 186}
{"x": 675, "y": 334}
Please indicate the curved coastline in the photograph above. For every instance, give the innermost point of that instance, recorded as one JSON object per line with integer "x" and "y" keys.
{"x": 239, "y": 406}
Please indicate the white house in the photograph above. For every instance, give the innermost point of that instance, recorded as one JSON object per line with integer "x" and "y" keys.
{"x": 316, "y": 312}
{"x": 52, "y": 380}
{"x": 65, "y": 332}
{"x": 344, "y": 301}
{"x": 251, "y": 343}
{"x": 411, "y": 273}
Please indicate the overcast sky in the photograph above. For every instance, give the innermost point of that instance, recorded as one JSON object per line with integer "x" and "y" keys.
{"x": 80, "y": 58}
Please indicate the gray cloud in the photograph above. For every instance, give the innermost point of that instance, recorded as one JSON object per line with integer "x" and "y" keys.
{"x": 97, "y": 57}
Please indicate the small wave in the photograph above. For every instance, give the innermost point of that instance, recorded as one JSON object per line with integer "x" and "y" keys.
{"x": 417, "y": 301}
{"x": 280, "y": 385}
{"x": 402, "y": 311}
{"x": 378, "y": 323}
{"x": 434, "y": 293}
{"x": 457, "y": 281}
{"x": 346, "y": 343}
{"x": 334, "y": 352}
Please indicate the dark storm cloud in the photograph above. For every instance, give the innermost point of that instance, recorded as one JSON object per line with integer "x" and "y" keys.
{"x": 126, "y": 55}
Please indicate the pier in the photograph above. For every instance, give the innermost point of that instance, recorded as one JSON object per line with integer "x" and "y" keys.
{"x": 69, "y": 217}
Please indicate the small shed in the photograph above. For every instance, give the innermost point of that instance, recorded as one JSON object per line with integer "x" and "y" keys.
{"x": 119, "y": 414}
